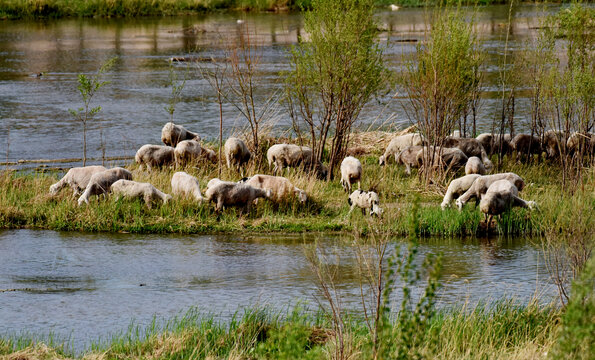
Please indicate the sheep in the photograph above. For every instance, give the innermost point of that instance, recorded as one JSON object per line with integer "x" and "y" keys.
{"x": 100, "y": 183}
{"x": 470, "y": 147}
{"x": 183, "y": 184}
{"x": 154, "y": 155}
{"x": 187, "y": 151}
{"x": 474, "y": 166}
{"x": 133, "y": 189}
{"x": 399, "y": 144}
{"x": 408, "y": 157}
{"x": 172, "y": 134}
{"x": 290, "y": 155}
{"x": 351, "y": 171}
{"x": 236, "y": 153}
{"x": 492, "y": 142}
{"x": 365, "y": 200}
{"x": 225, "y": 193}
{"x": 281, "y": 187}
{"x": 552, "y": 141}
{"x": 452, "y": 158}
{"x": 577, "y": 141}
{"x": 500, "y": 196}
{"x": 482, "y": 183}
{"x": 526, "y": 144}
{"x": 209, "y": 154}
{"x": 456, "y": 188}
{"x": 77, "y": 178}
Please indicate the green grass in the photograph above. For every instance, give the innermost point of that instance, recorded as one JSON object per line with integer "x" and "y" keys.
{"x": 26, "y": 203}
{"x": 503, "y": 331}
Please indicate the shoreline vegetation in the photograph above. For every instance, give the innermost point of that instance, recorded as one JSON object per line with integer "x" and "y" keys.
{"x": 53, "y": 9}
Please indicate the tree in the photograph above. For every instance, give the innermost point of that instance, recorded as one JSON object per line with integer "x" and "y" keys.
{"x": 88, "y": 87}
{"x": 335, "y": 71}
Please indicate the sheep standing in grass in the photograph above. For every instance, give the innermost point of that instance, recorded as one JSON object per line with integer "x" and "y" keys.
{"x": 172, "y": 134}
{"x": 133, "y": 190}
{"x": 184, "y": 184}
{"x": 398, "y": 144}
{"x": 186, "y": 152}
{"x": 224, "y": 193}
{"x": 351, "y": 171}
{"x": 365, "y": 200}
{"x": 236, "y": 153}
{"x": 470, "y": 147}
{"x": 154, "y": 156}
{"x": 584, "y": 141}
{"x": 290, "y": 155}
{"x": 474, "y": 166}
{"x": 451, "y": 158}
{"x": 100, "y": 183}
{"x": 209, "y": 155}
{"x": 482, "y": 183}
{"x": 501, "y": 196}
{"x": 552, "y": 140}
{"x": 77, "y": 178}
{"x": 526, "y": 144}
{"x": 492, "y": 142}
{"x": 281, "y": 187}
{"x": 408, "y": 157}
{"x": 456, "y": 188}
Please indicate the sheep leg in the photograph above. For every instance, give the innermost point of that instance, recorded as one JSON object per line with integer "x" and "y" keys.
{"x": 408, "y": 169}
{"x": 364, "y": 211}
{"x": 359, "y": 185}
{"x": 219, "y": 205}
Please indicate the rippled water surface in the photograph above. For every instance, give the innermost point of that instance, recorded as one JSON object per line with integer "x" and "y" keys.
{"x": 34, "y": 109}
{"x": 88, "y": 286}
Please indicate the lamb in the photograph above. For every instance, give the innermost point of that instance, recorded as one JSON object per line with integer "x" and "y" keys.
{"x": 408, "y": 157}
{"x": 481, "y": 185}
{"x": 452, "y": 158}
{"x": 77, "y": 178}
{"x": 474, "y": 166}
{"x": 133, "y": 189}
{"x": 351, "y": 171}
{"x": 492, "y": 142}
{"x": 224, "y": 193}
{"x": 526, "y": 144}
{"x": 281, "y": 187}
{"x": 470, "y": 147}
{"x": 290, "y": 155}
{"x": 399, "y": 144}
{"x": 154, "y": 156}
{"x": 456, "y": 188}
{"x": 236, "y": 153}
{"x": 187, "y": 151}
{"x": 183, "y": 184}
{"x": 365, "y": 200}
{"x": 172, "y": 134}
{"x": 500, "y": 196}
{"x": 100, "y": 183}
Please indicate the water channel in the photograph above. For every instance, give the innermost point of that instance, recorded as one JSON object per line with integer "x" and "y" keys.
{"x": 85, "y": 287}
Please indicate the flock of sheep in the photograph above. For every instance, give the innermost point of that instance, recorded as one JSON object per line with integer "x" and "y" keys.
{"x": 494, "y": 193}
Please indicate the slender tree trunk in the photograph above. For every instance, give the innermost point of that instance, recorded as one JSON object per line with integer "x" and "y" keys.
{"x": 220, "y": 133}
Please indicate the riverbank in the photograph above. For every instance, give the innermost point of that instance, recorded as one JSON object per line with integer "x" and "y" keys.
{"x": 504, "y": 331}
{"x": 408, "y": 206}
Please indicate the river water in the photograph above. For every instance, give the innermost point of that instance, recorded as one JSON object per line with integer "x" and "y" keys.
{"x": 34, "y": 118}
{"x": 84, "y": 287}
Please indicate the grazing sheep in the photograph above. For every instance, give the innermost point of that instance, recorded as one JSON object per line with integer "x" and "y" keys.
{"x": 452, "y": 158}
{"x": 577, "y": 141}
{"x": 187, "y": 151}
{"x": 100, "y": 183}
{"x": 209, "y": 154}
{"x": 133, "y": 189}
{"x": 399, "y": 144}
{"x": 236, "y": 153}
{"x": 552, "y": 140}
{"x": 482, "y": 183}
{"x": 456, "y": 188}
{"x": 154, "y": 156}
{"x": 492, "y": 142}
{"x": 408, "y": 157}
{"x": 183, "y": 184}
{"x": 501, "y": 196}
{"x": 474, "y": 166}
{"x": 233, "y": 194}
{"x": 526, "y": 144}
{"x": 365, "y": 200}
{"x": 77, "y": 178}
{"x": 470, "y": 147}
{"x": 172, "y": 134}
{"x": 351, "y": 171}
{"x": 290, "y": 155}
{"x": 281, "y": 187}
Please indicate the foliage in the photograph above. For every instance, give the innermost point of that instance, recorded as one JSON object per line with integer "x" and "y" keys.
{"x": 177, "y": 87}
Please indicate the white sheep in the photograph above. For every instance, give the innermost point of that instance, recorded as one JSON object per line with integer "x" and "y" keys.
{"x": 456, "y": 188}
{"x": 154, "y": 156}
{"x": 77, "y": 178}
{"x": 501, "y": 196}
{"x": 225, "y": 193}
{"x": 365, "y": 200}
{"x": 408, "y": 157}
{"x": 398, "y": 144}
{"x": 236, "y": 153}
{"x": 187, "y": 151}
{"x": 474, "y": 166}
{"x": 492, "y": 142}
{"x": 184, "y": 184}
{"x": 290, "y": 155}
{"x": 100, "y": 183}
{"x": 281, "y": 187}
{"x": 172, "y": 134}
{"x": 133, "y": 190}
{"x": 209, "y": 154}
{"x": 482, "y": 183}
{"x": 578, "y": 140}
{"x": 351, "y": 171}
